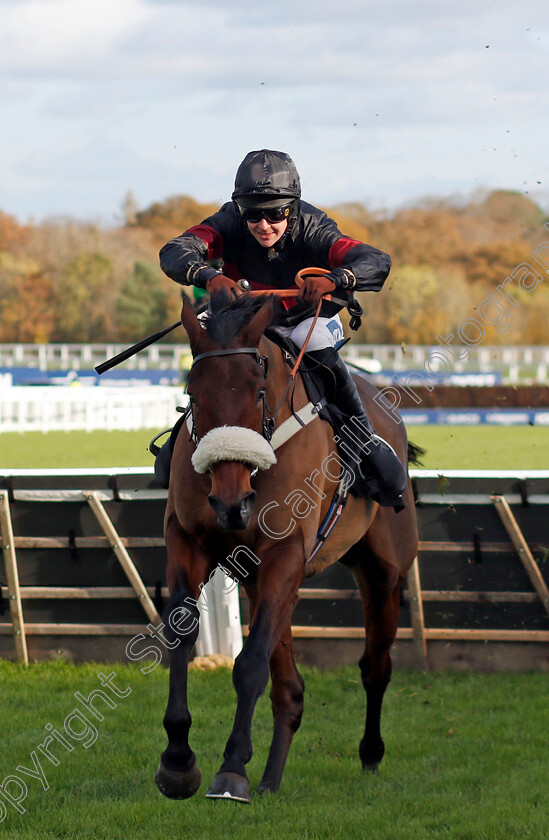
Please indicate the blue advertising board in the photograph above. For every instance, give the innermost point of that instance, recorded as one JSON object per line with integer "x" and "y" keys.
{"x": 121, "y": 377}
{"x": 475, "y": 416}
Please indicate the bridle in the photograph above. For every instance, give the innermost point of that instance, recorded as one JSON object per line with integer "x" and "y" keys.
{"x": 268, "y": 421}
{"x": 262, "y": 360}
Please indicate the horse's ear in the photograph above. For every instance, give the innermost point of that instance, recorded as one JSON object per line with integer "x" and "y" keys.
{"x": 190, "y": 322}
{"x": 259, "y": 323}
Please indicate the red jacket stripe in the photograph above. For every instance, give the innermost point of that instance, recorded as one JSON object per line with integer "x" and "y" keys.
{"x": 211, "y": 237}
{"x": 339, "y": 249}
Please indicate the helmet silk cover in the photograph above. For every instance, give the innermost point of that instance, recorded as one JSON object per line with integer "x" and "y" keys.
{"x": 267, "y": 173}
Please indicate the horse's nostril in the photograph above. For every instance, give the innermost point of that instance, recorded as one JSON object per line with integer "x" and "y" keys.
{"x": 215, "y": 503}
{"x": 233, "y": 517}
{"x": 248, "y": 501}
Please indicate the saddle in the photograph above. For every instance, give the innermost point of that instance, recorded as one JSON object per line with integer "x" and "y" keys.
{"x": 375, "y": 473}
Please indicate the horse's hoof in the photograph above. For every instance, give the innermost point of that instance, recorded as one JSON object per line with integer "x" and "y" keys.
{"x": 228, "y": 785}
{"x": 263, "y": 789}
{"x": 177, "y": 785}
{"x": 370, "y": 766}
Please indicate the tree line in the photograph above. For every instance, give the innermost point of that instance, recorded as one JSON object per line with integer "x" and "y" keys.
{"x": 67, "y": 281}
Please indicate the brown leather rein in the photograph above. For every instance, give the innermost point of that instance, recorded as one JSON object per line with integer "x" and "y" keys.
{"x": 299, "y": 278}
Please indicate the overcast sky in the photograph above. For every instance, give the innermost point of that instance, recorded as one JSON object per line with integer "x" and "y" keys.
{"x": 379, "y": 102}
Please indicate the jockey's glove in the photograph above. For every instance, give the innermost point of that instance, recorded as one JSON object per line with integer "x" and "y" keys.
{"x": 221, "y": 281}
{"x": 314, "y": 288}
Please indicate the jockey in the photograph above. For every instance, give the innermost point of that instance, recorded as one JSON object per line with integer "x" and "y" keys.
{"x": 265, "y": 235}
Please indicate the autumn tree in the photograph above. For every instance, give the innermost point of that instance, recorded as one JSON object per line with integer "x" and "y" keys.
{"x": 511, "y": 208}
{"x": 169, "y": 218}
{"x": 81, "y": 315}
{"x": 12, "y": 234}
{"x": 142, "y": 305}
{"x": 64, "y": 280}
{"x": 491, "y": 263}
{"x": 27, "y": 301}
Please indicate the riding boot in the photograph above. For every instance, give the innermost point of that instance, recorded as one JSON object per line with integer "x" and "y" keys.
{"x": 163, "y": 458}
{"x": 162, "y": 464}
{"x": 163, "y": 454}
{"x": 378, "y": 472}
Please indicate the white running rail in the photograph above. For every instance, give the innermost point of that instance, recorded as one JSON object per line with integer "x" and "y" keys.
{"x": 51, "y": 408}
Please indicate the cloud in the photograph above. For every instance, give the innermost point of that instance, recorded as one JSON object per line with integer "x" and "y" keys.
{"x": 394, "y": 56}
{"x": 214, "y": 45}
{"x": 65, "y": 38}
{"x": 429, "y": 68}
{"x": 99, "y": 94}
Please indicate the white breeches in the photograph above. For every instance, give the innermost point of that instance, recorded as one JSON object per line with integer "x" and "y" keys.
{"x": 327, "y": 333}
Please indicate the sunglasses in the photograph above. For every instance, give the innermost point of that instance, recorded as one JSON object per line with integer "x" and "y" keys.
{"x": 271, "y": 214}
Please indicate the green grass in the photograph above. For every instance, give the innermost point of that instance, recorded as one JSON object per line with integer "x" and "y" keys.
{"x": 51, "y": 450}
{"x": 466, "y": 759}
{"x": 448, "y": 447}
{"x": 483, "y": 447}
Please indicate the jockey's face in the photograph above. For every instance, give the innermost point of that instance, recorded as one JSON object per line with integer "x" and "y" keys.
{"x": 267, "y": 233}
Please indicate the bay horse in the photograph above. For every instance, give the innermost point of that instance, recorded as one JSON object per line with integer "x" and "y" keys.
{"x": 230, "y": 495}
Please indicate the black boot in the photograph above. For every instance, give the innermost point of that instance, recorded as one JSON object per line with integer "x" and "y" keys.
{"x": 163, "y": 454}
{"x": 379, "y": 474}
{"x": 163, "y": 459}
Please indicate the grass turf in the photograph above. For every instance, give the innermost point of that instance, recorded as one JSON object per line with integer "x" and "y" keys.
{"x": 483, "y": 447}
{"x": 466, "y": 759}
{"x": 448, "y": 447}
{"x": 56, "y": 450}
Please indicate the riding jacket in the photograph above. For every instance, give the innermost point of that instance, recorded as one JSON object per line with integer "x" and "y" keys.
{"x": 311, "y": 239}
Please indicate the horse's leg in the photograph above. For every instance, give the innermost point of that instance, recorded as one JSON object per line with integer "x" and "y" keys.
{"x": 178, "y": 775}
{"x": 279, "y": 577}
{"x": 287, "y": 703}
{"x": 287, "y": 690}
{"x": 379, "y": 583}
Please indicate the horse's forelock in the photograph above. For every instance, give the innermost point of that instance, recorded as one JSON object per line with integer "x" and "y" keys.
{"x": 228, "y": 315}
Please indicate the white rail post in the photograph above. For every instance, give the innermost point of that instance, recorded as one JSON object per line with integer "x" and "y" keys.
{"x": 220, "y": 623}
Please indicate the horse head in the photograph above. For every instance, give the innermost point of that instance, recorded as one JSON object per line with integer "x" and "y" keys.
{"x": 226, "y": 388}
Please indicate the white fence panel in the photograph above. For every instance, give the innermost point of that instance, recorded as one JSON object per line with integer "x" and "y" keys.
{"x": 516, "y": 363}
{"x": 54, "y": 408}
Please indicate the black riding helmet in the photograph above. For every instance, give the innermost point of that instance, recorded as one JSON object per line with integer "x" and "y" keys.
{"x": 267, "y": 179}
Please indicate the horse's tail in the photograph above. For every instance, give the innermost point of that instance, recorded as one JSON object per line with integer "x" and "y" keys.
{"x": 415, "y": 453}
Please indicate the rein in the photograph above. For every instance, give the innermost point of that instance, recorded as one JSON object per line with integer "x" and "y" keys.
{"x": 268, "y": 423}
{"x": 294, "y": 370}
{"x": 305, "y": 343}
{"x": 299, "y": 279}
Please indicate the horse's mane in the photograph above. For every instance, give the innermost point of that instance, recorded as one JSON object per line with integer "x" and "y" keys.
{"x": 228, "y": 315}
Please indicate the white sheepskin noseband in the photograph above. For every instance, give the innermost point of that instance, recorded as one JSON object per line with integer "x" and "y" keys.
{"x": 233, "y": 443}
